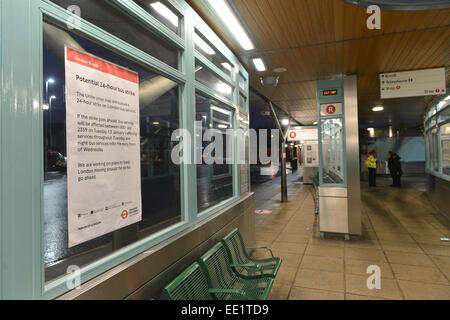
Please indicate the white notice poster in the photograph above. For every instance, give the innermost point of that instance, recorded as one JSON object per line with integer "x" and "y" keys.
{"x": 103, "y": 147}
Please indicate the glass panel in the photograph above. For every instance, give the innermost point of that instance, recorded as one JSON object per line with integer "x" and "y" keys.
{"x": 161, "y": 11}
{"x": 445, "y": 145}
{"x": 214, "y": 181}
{"x": 159, "y": 117}
{"x": 434, "y": 145}
{"x": 206, "y": 77}
{"x": 112, "y": 20}
{"x": 242, "y": 82}
{"x": 332, "y": 135}
{"x": 444, "y": 103}
{"x": 243, "y": 104}
{"x": 210, "y": 53}
{"x": 444, "y": 115}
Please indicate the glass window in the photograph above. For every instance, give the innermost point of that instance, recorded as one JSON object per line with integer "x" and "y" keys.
{"x": 242, "y": 82}
{"x": 163, "y": 12}
{"x": 214, "y": 181}
{"x": 112, "y": 20}
{"x": 332, "y": 149}
{"x": 206, "y": 77}
{"x": 243, "y": 104}
{"x": 444, "y": 115}
{"x": 444, "y": 103}
{"x": 161, "y": 194}
{"x": 209, "y": 52}
{"x": 445, "y": 145}
{"x": 434, "y": 149}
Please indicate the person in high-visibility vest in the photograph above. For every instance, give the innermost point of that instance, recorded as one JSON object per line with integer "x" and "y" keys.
{"x": 371, "y": 164}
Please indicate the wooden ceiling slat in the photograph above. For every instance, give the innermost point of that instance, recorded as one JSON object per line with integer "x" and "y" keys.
{"x": 316, "y": 39}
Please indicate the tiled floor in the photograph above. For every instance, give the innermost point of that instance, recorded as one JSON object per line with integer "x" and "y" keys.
{"x": 401, "y": 235}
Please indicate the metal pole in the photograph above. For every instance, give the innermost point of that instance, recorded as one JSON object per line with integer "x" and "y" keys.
{"x": 283, "y": 135}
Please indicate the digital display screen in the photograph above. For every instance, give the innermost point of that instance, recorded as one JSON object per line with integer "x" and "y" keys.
{"x": 331, "y": 92}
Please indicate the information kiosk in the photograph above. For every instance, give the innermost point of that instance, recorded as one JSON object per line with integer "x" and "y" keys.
{"x": 339, "y": 183}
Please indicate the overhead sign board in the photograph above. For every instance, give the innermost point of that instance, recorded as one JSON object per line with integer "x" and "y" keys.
{"x": 103, "y": 147}
{"x": 413, "y": 83}
{"x": 331, "y": 109}
{"x": 303, "y": 134}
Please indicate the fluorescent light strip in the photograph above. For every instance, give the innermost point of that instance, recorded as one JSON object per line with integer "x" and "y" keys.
{"x": 224, "y": 11}
{"x": 226, "y": 65}
{"x": 224, "y": 88}
{"x": 203, "y": 45}
{"x": 166, "y": 13}
{"x": 228, "y": 113}
{"x": 378, "y": 109}
{"x": 259, "y": 64}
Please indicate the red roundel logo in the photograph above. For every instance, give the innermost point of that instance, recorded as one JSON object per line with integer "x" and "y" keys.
{"x": 293, "y": 135}
{"x": 331, "y": 109}
{"x": 437, "y": 90}
{"x": 124, "y": 214}
{"x": 399, "y": 87}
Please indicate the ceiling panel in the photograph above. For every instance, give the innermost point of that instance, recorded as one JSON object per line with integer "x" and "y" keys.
{"x": 322, "y": 39}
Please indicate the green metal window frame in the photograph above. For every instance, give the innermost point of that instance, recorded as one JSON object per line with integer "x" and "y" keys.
{"x": 431, "y": 113}
{"x": 21, "y": 121}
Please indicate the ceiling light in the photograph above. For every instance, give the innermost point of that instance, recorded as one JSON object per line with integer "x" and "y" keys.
{"x": 378, "y": 109}
{"x": 285, "y": 122}
{"x": 259, "y": 64}
{"x": 166, "y": 13}
{"x": 224, "y": 11}
{"x": 203, "y": 45}
{"x": 51, "y": 81}
{"x": 226, "y": 65}
{"x": 224, "y": 88}
{"x": 228, "y": 113}
{"x": 315, "y": 123}
{"x": 45, "y": 107}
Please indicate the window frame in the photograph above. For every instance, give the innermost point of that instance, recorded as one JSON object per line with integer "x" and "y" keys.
{"x": 26, "y": 249}
{"x": 431, "y": 122}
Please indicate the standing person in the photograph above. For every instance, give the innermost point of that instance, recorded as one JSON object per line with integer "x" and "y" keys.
{"x": 371, "y": 164}
{"x": 398, "y": 170}
{"x": 391, "y": 166}
{"x": 395, "y": 168}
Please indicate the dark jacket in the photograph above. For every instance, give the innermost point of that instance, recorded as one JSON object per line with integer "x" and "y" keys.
{"x": 394, "y": 165}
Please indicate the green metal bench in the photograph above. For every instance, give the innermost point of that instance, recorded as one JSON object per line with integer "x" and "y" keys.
{"x": 193, "y": 285}
{"x": 246, "y": 266}
{"x": 217, "y": 265}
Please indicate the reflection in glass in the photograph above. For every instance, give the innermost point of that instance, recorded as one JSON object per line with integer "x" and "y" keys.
{"x": 242, "y": 81}
{"x": 112, "y": 20}
{"x": 332, "y": 151}
{"x": 214, "y": 181}
{"x": 206, "y": 77}
{"x": 161, "y": 11}
{"x": 211, "y": 54}
{"x": 159, "y": 117}
{"x": 434, "y": 149}
{"x": 445, "y": 145}
{"x": 243, "y": 104}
